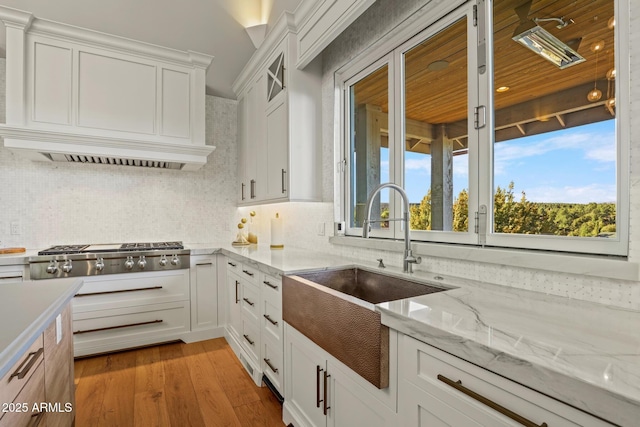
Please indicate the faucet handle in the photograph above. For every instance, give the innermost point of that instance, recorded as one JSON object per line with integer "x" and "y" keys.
{"x": 380, "y": 263}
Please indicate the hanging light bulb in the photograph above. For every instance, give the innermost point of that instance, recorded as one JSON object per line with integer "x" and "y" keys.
{"x": 595, "y": 94}
{"x": 611, "y": 102}
{"x": 611, "y": 74}
{"x": 611, "y": 23}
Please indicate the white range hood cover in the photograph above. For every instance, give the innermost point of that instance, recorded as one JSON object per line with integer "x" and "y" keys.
{"x": 78, "y": 95}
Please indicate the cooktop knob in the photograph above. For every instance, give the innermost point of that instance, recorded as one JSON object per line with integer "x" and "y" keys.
{"x": 175, "y": 260}
{"x": 100, "y": 264}
{"x": 68, "y": 266}
{"x": 52, "y": 268}
{"x": 163, "y": 260}
{"x": 142, "y": 262}
{"x": 128, "y": 264}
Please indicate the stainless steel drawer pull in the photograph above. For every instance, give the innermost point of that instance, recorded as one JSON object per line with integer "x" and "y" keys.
{"x": 490, "y": 403}
{"x": 231, "y": 264}
{"x": 273, "y": 322}
{"x": 118, "y": 291}
{"x": 269, "y": 284}
{"x": 246, "y": 337}
{"x": 28, "y": 363}
{"x": 249, "y": 302}
{"x": 117, "y": 327}
{"x": 275, "y": 370}
{"x": 248, "y": 273}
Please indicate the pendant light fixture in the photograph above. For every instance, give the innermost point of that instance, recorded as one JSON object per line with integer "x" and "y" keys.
{"x": 595, "y": 94}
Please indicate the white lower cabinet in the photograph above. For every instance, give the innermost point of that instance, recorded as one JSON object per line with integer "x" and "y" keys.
{"x": 204, "y": 293}
{"x": 438, "y": 389}
{"x": 321, "y": 391}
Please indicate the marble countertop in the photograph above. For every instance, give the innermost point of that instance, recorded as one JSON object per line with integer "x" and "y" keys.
{"x": 26, "y": 308}
{"x": 584, "y": 354}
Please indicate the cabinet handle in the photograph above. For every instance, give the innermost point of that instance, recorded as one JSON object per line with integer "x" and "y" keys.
{"x": 249, "y": 302}
{"x": 248, "y": 273}
{"x": 246, "y": 337}
{"x": 10, "y": 277}
{"x": 325, "y": 405}
{"x": 490, "y": 403}
{"x": 231, "y": 264}
{"x": 253, "y": 188}
{"x": 269, "y": 284}
{"x": 35, "y": 419}
{"x": 242, "y": 192}
{"x": 237, "y": 297}
{"x": 283, "y": 173}
{"x": 118, "y": 291}
{"x": 273, "y": 322}
{"x": 205, "y": 263}
{"x": 275, "y": 370}
{"x": 31, "y": 360}
{"x": 117, "y": 327}
{"x": 318, "y": 400}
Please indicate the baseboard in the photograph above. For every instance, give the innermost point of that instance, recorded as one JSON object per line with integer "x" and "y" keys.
{"x": 205, "y": 334}
{"x": 290, "y": 415}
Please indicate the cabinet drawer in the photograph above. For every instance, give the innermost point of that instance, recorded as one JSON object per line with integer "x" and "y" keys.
{"x": 108, "y": 330}
{"x": 271, "y": 288}
{"x": 16, "y": 378}
{"x": 233, "y": 265}
{"x": 249, "y": 273}
{"x": 131, "y": 290}
{"x": 11, "y": 273}
{"x": 272, "y": 322}
{"x": 272, "y": 364}
{"x": 21, "y": 415}
{"x": 250, "y": 301}
{"x": 250, "y": 338}
{"x": 454, "y": 390}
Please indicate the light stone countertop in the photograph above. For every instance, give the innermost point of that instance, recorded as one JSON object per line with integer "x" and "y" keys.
{"x": 26, "y": 309}
{"x": 17, "y": 259}
{"x": 584, "y": 354}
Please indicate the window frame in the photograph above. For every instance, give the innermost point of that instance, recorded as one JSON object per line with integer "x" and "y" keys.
{"x": 423, "y": 24}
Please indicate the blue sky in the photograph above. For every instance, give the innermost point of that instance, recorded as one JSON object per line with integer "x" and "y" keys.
{"x": 575, "y": 165}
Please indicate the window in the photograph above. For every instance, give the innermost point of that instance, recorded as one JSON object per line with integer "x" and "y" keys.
{"x": 503, "y": 126}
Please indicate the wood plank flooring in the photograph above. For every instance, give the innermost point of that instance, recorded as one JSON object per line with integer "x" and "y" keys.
{"x": 197, "y": 384}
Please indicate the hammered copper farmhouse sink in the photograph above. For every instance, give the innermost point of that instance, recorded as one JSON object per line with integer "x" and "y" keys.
{"x": 335, "y": 309}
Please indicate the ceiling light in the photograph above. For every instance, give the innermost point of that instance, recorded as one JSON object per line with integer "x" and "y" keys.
{"x": 546, "y": 45}
{"x": 257, "y": 34}
{"x": 611, "y": 23}
{"x": 502, "y": 89}
{"x": 595, "y": 94}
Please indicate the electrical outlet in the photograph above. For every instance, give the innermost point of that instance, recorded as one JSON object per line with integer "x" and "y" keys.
{"x": 15, "y": 228}
{"x": 321, "y": 229}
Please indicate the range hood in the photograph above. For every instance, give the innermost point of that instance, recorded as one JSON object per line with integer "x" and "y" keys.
{"x": 48, "y": 146}
{"x": 78, "y": 95}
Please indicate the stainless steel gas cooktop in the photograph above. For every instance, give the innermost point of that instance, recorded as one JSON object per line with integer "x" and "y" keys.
{"x": 94, "y": 260}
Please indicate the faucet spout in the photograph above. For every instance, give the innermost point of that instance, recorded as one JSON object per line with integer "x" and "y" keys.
{"x": 409, "y": 259}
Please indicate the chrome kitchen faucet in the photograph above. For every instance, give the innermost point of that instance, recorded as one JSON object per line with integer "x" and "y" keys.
{"x": 409, "y": 259}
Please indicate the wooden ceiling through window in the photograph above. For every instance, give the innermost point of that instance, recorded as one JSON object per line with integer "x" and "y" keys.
{"x": 541, "y": 97}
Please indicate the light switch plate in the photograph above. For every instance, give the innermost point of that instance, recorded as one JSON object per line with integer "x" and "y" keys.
{"x": 58, "y": 328}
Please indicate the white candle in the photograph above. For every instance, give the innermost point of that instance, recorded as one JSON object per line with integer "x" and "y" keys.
{"x": 277, "y": 241}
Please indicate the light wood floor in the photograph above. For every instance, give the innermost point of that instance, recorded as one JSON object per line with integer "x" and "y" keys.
{"x": 198, "y": 384}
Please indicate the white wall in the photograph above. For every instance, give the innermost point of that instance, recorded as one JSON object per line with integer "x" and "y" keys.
{"x": 58, "y": 203}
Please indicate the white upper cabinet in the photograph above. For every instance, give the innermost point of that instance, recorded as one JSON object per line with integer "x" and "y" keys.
{"x": 279, "y": 123}
{"x": 76, "y": 92}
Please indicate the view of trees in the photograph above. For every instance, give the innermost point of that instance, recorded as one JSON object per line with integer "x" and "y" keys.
{"x": 525, "y": 217}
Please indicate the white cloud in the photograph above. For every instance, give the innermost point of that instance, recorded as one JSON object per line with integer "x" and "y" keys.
{"x": 423, "y": 164}
{"x": 568, "y": 194}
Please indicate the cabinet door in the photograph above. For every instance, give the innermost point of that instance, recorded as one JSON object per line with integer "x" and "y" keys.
{"x": 204, "y": 294}
{"x": 304, "y": 374}
{"x": 58, "y": 366}
{"x": 277, "y": 156}
{"x": 255, "y": 149}
{"x": 351, "y": 405}
{"x": 243, "y": 141}
{"x": 234, "y": 309}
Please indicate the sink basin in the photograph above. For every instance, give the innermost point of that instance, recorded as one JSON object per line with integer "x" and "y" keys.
{"x": 369, "y": 286}
{"x": 335, "y": 309}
